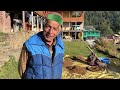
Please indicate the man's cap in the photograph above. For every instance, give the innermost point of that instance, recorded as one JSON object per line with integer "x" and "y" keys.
{"x": 55, "y": 17}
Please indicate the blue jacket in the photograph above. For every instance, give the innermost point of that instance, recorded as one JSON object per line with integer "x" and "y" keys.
{"x": 40, "y": 65}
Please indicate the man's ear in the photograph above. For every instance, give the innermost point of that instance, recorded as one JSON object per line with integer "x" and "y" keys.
{"x": 45, "y": 22}
{"x": 43, "y": 25}
{"x": 60, "y": 28}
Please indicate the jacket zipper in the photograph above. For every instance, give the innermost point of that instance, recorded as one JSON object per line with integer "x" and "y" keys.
{"x": 52, "y": 67}
{"x": 52, "y": 71}
{"x": 51, "y": 64}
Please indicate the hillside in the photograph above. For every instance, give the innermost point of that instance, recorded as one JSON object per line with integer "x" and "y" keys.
{"x": 11, "y": 44}
{"x": 108, "y": 22}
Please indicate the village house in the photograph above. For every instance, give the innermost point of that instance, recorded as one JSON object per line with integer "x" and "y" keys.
{"x": 13, "y": 21}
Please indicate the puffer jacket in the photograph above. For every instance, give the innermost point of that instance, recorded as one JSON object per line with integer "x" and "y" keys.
{"x": 40, "y": 65}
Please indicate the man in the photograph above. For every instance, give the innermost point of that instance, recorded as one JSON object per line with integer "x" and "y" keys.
{"x": 95, "y": 63}
{"x": 92, "y": 59}
{"x": 42, "y": 54}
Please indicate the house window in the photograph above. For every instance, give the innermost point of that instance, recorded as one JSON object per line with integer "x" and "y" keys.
{"x": 7, "y": 14}
{"x": 76, "y": 13}
{"x": 66, "y": 14}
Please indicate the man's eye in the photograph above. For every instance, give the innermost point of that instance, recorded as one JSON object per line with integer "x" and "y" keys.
{"x": 55, "y": 29}
{"x": 47, "y": 26}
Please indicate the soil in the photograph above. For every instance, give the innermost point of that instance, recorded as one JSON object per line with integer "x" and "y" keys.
{"x": 76, "y": 69}
{"x": 11, "y": 44}
{"x": 68, "y": 64}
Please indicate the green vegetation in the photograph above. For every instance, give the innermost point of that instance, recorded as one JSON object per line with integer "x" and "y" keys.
{"x": 3, "y": 36}
{"x": 1, "y": 33}
{"x": 108, "y": 22}
{"x": 76, "y": 48}
{"x": 108, "y": 48}
{"x": 79, "y": 48}
{"x": 10, "y": 69}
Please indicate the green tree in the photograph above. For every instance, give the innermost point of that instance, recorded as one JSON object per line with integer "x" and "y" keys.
{"x": 107, "y": 22}
{"x": 105, "y": 29}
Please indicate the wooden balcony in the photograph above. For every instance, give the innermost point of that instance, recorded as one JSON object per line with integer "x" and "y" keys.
{"x": 74, "y": 19}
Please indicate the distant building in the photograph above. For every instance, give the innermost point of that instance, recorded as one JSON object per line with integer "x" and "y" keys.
{"x": 72, "y": 20}
{"x": 89, "y": 27}
{"x": 13, "y": 21}
{"x": 73, "y": 23}
{"x": 91, "y": 34}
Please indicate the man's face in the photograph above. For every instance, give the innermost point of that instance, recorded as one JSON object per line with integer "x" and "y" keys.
{"x": 51, "y": 30}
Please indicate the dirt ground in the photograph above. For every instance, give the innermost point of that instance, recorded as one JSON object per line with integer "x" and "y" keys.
{"x": 69, "y": 65}
{"x": 76, "y": 68}
{"x": 11, "y": 44}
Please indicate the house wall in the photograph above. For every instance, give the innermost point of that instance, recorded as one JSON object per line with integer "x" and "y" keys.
{"x": 82, "y": 26}
{"x": 67, "y": 17}
{"x": 65, "y": 14}
{"x": 66, "y": 26}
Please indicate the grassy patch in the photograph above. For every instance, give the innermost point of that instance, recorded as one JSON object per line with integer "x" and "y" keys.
{"x": 10, "y": 69}
{"x": 108, "y": 48}
{"x": 1, "y": 33}
{"x": 3, "y": 36}
{"x": 78, "y": 48}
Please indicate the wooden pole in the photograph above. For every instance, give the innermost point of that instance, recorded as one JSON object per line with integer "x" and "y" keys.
{"x": 92, "y": 51}
{"x": 69, "y": 22}
{"x": 41, "y": 24}
{"x": 23, "y": 19}
{"x": 32, "y": 20}
{"x": 37, "y": 24}
{"x": 62, "y": 23}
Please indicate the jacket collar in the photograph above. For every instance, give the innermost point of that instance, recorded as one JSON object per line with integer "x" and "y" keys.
{"x": 38, "y": 40}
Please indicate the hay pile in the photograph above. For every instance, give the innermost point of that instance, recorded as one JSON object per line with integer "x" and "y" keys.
{"x": 77, "y": 70}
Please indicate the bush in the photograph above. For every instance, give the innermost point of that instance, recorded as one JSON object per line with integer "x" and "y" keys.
{"x": 10, "y": 69}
